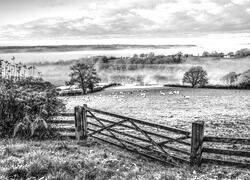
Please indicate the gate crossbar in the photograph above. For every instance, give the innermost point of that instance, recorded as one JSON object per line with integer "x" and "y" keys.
{"x": 157, "y": 145}
{"x": 154, "y": 143}
{"x": 104, "y": 127}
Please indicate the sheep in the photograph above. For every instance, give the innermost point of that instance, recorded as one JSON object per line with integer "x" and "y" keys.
{"x": 66, "y": 98}
{"x": 171, "y": 93}
{"x": 86, "y": 98}
{"x": 162, "y": 93}
{"x": 176, "y": 92}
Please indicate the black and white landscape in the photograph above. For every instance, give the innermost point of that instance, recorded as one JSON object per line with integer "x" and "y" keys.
{"x": 124, "y": 89}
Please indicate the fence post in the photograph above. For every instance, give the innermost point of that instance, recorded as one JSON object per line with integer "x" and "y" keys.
{"x": 85, "y": 122}
{"x": 80, "y": 123}
{"x": 196, "y": 143}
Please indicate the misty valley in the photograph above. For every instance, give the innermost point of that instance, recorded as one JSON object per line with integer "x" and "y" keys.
{"x": 119, "y": 70}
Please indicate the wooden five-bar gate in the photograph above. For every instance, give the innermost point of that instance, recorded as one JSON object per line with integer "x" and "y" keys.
{"x": 166, "y": 144}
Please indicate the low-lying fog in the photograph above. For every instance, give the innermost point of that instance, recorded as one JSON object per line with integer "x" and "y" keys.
{"x": 161, "y": 74}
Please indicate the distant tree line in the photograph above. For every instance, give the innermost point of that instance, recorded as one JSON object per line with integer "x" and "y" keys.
{"x": 141, "y": 60}
{"x": 138, "y": 61}
{"x": 238, "y": 54}
{"x": 212, "y": 54}
{"x": 59, "y": 62}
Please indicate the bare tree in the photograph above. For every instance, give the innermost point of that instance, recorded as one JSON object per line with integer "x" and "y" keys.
{"x": 195, "y": 76}
{"x": 85, "y": 75}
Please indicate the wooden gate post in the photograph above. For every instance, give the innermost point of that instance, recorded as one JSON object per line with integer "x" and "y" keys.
{"x": 81, "y": 123}
{"x": 85, "y": 122}
{"x": 196, "y": 143}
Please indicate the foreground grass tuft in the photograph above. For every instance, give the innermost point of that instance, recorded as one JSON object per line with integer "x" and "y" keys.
{"x": 65, "y": 160}
{"x": 17, "y": 173}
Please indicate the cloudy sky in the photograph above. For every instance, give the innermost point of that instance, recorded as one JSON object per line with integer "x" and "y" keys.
{"x": 123, "y": 21}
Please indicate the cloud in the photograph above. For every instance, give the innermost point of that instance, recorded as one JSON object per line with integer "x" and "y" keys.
{"x": 137, "y": 18}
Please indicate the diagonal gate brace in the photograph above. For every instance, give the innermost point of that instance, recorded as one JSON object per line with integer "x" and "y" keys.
{"x": 108, "y": 129}
{"x": 154, "y": 143}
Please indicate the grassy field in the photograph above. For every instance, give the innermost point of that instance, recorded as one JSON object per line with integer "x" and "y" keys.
{"x": 225, "y": 112}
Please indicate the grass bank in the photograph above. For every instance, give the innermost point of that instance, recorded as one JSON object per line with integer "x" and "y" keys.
{"x": 67, "y": 160}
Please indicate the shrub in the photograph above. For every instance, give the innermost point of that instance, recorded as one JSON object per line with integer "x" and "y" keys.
{"x": 24, "y": 112}
{"x": 244, "y": 79}
{"x": 230, "y": 78}
{"x": 242, "y": 53}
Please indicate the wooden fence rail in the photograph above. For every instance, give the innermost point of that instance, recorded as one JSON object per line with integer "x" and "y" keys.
{"x": 226, "y": 163}
{"x": 226, "y": 152}
{"x": 152, "y": 140}
{"x": 141, "y": 122}
{"x": 227, "y": 140}
{"x": 244, "y": 163}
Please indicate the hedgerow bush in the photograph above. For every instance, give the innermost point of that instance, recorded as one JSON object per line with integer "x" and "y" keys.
{"x": 25, "y": 109}
{"x": 244, "y": 79}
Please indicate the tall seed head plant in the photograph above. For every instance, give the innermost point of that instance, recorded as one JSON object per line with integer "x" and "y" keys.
{"x": 25, "y": 110}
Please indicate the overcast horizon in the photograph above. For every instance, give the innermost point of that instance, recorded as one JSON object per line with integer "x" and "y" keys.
{"x": 72, "y": 22}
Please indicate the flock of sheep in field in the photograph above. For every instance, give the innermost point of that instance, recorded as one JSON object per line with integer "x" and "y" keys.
{"x": 121, "y": 95}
